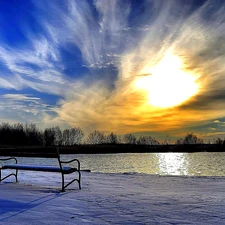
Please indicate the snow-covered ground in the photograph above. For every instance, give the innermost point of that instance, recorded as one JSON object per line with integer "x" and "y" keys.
{"x": 112, "y": 199}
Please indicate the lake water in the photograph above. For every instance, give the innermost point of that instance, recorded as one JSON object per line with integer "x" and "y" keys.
{"x": 191, "y": 164}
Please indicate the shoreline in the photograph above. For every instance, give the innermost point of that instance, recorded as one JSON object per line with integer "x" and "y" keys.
{"x": 116, "y": 149}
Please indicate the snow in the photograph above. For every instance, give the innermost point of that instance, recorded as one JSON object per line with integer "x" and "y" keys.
{"x": 112, "y": 199}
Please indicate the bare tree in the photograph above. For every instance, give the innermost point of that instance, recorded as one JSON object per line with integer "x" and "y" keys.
{"x": 96, "y": 137}
{"x": 112, "y": 139}
{"x": 66, "y": 137}
{"x": 130, "y": 139}
{"x": 190, "y": 138}
{"x": 72, "y": 136}
{"x": 34, "y": 135}
{"x": 147, "y": 140}
{"x": 219, "y": 141}
{"x": 75, "y": 136}
{"x": 180, "y": 141}
{"x": 58, "y": 136}
{"x": 49, "y": 136}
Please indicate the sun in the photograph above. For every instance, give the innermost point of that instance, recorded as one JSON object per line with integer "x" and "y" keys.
{"x": 166, "y": 83}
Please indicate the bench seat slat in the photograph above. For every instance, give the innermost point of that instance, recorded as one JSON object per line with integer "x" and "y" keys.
{"x": 66, "y": 169}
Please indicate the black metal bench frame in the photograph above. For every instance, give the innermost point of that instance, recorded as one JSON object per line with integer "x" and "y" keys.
{"x": 46, "y": 153}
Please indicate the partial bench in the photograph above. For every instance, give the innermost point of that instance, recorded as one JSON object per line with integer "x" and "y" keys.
{"x": 40, "y": 153}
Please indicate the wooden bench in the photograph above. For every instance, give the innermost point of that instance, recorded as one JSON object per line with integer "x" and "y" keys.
{"x": 39, "y": 153}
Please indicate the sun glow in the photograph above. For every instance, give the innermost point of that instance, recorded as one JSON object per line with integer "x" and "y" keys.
{"x": 167, "y": 84}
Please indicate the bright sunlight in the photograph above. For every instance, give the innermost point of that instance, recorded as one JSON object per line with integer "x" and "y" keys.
{"x": 167, "y": 84}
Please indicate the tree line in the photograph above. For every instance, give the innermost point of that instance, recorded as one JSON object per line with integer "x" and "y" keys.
{"x": 29, "y": 134}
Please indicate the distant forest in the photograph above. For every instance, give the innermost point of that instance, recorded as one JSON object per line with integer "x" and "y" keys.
{"x": 29, "y": 135}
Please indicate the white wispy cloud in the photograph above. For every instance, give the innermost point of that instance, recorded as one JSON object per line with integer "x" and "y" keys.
{"x": 94, "y": 35}
{"x": 33, "y": 66}
{"x": 19, "y": 97}
{"x": 24, "y": 108}
{"x": 6, "y": 84}
{"x": 28, "y": 102}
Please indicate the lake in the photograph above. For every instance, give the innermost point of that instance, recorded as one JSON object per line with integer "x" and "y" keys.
{"x": 191, "y": 164}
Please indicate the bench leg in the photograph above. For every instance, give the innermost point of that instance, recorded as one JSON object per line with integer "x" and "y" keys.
{"x": 11, "y": 174}
{"x": 63, "y": 188}
{"x": 78, "y": 180}
{"x": 16, "y": 175}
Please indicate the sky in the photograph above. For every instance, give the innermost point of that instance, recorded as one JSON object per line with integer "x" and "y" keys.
{"x": 147, "y": 67}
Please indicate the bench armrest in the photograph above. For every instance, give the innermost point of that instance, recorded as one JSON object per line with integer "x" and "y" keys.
{"x": 10, "y": 158}
{"x": 73, "y": 160}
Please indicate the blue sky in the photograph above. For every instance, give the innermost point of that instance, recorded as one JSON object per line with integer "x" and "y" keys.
{"x": 89, "y": 64}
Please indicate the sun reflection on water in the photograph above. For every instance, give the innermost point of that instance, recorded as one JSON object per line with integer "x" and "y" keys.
{"x": 172, "y": 163}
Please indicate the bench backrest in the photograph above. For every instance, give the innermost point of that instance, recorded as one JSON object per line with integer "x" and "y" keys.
{"x": 47, "y": 152}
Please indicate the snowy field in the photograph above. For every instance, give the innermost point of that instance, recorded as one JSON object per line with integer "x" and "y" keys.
{"x": 112, "y": 199}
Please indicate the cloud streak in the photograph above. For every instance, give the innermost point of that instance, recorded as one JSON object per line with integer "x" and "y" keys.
{"x": 28, "y": 108}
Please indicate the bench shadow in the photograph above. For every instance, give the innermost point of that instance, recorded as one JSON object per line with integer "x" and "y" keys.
{"x": 16, "y": 207}
{"x": 10, "y": 206}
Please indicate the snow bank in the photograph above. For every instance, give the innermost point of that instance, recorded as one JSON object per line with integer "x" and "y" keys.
{"x": 112, "y": 199}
